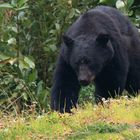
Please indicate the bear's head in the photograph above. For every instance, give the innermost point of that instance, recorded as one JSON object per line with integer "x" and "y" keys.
{"x": 88, "y": 56}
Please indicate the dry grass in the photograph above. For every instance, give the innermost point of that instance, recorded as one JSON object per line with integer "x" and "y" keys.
{"x": 117, "y": 120}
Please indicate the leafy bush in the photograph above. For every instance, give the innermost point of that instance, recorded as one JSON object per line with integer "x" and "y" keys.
{"x": 86, "y": 94}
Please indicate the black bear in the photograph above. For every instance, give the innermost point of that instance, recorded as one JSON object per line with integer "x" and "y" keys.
{"x": 100, "y": 47}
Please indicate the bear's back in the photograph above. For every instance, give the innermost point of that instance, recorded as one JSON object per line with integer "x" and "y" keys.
{"x": 125, "y": 26}
{"x": 107, "y": 20}
{"x": 121, "y": 21}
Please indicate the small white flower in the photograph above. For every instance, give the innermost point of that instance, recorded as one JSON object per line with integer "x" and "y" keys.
{"x": 103, "y": 99}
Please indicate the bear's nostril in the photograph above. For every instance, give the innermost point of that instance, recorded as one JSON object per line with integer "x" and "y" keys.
{"x": 84, "y": 82}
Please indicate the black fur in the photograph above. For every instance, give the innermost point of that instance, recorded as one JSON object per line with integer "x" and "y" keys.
{"x": 104, "y": 42}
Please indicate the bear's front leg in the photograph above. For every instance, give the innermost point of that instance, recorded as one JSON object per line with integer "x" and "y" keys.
{"x": 105, "y": 89}
{"x": 65, "y": 88}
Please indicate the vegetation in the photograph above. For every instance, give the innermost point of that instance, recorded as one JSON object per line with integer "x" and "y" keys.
{"x": 30, "y": 35}
{"x": 119, "y": 120}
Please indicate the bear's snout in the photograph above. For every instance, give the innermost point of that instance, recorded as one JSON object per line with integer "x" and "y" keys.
{"x": 85, "y": 76}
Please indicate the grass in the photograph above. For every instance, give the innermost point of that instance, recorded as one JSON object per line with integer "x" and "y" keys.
{"x": 117, "y": 120}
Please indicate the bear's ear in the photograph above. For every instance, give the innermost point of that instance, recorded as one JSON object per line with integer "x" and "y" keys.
{"x": 102, "y": 39}
{"x": 69, "y": 42}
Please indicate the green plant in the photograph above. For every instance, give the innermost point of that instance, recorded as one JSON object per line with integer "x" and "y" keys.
{"x": 30, "y": 31}
{"x": 18, "y": 73}
{"x": 87, "y": 94}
